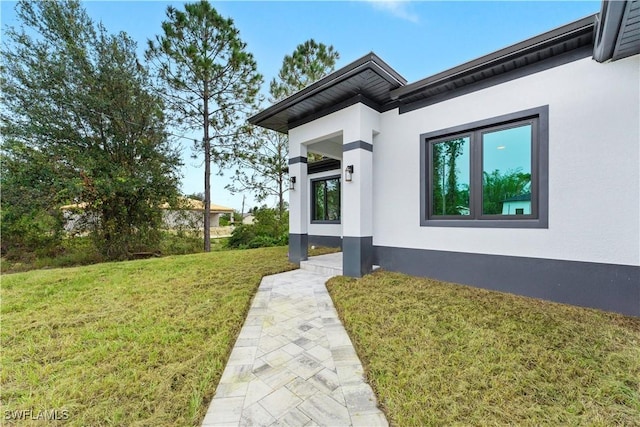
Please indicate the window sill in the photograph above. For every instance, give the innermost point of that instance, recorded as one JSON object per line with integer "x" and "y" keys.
{"x": 486, "y": 223}
{"x": 325, "y": 222}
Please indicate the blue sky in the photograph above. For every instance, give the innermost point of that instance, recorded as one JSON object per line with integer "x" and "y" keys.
{"x": 417, "y": 39}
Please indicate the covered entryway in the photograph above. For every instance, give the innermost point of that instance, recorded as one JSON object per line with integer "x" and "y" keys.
{"x": 338, "y": 117}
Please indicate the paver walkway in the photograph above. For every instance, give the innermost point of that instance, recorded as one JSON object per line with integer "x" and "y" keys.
{"x": 293, "y": 363}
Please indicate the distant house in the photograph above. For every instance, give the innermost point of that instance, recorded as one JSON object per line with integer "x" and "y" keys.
{"x": 562, "y": 107}
{"x": 191, "y": 214}
{"x": 248, "y": 218}
{"x": 517, "y": 205}
{"x": 75, "y": 218}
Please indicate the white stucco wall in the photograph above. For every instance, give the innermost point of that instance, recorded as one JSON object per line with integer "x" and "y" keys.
{"x": 594, "y": 166}
{"x": 350, "y": 122}
{"x": 354, "y": 123}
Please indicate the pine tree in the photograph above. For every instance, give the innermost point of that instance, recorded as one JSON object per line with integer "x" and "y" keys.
{"x": 209, "y": 82}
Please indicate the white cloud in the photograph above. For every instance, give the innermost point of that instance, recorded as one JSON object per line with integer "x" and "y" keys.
{"x": 398, "y": 8}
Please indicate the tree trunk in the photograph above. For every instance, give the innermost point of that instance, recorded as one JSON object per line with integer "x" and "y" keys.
{"x": 281, "y": 195}
{"x": 207, "y": 174}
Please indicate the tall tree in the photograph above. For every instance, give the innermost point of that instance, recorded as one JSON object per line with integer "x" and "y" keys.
{"x": 308, "y": 63}
{"x": 262, "y": 160}
{"x": 79, "y": 94}
{"x": 209, "y": 81}
{"x": 448, "y": 196}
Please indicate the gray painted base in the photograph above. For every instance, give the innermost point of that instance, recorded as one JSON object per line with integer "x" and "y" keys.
{"x": 605, "y": 286}
{"x": 298, "y": 247}
{"x": 357, "y": 256}
{"x": 327, "y": 241}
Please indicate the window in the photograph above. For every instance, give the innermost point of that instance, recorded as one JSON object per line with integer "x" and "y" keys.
{"x": 325, "y": 200}
{"x": 491, "y": 173}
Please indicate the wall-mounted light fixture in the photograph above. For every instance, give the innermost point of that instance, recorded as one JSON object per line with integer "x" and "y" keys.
{"x": 292, "y": 183}
{"x": 348, "y": 173}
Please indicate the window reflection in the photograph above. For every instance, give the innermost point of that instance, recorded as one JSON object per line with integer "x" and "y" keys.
{"x": 326, "y": 199}
{"x": 506, "y": 171}
{"x": 450, "y": 177}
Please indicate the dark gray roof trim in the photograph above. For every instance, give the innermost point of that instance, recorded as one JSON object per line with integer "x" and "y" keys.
{"x": 435, "y": 95}
{"x": 369, "y": 76}
{"x": 544, "y": 46}
{"x": 372, "y": 82}
{"x": 617, "y": 30}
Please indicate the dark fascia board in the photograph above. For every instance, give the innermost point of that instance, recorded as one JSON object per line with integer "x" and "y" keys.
{"x": 508, "y": 53}
{"x": 517, "y": 73}
{"x": 628, "y": 42}
{"x": 608, "y": 24}
{"x": 371, "y": 61}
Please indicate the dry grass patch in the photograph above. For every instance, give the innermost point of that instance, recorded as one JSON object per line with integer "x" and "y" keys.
{"x": 440, "y": 354}
{"x": 130, "y": 343}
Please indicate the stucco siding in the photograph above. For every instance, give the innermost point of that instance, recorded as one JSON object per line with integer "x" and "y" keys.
{"x": 594, "y": 158}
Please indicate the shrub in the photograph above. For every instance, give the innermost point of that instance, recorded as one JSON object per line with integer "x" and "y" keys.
{"x": 241, "y": 236}
{"x": 262, "y": 241}
{"x": 269, "y": 229}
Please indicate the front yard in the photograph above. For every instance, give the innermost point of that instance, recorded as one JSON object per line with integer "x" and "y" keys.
{"x": 145, "y": 343}
{"x": 130, "y": 343}
{"x": 444, "y": 354}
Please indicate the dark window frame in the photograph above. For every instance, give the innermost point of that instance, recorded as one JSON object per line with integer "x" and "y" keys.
{"x": 539, "y": 118}
{"x": 313, "y": 200}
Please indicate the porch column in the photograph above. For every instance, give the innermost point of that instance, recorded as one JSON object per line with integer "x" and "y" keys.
{"x": 357, "y": 210}
{"x": 298, "y": 202}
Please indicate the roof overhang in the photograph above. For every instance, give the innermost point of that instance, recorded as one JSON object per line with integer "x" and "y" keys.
{"x": 617, "y": 30}
{"x": 368, "y": 80}
{"x": 612, "y": 34}
{"x": 574, "y": 37}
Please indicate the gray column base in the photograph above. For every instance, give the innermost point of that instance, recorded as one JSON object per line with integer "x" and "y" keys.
{"x": 357, "y": 256}
{"x": 298, "y": 247}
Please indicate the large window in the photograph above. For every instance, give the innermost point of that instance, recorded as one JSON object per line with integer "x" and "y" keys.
{"x": 491, "y": 173}
{"x": 325, "y": 200}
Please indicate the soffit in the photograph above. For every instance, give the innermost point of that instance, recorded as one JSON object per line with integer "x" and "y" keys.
{"x": 541, "y": 48}
{"x": 368, "y": 79}
{"x": 628, "y": 42}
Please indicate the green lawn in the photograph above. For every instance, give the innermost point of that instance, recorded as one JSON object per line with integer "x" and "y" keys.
{"x": 77, "y": 251}
{"x": 131, "y": 343}
{"x": 443, "y": 354}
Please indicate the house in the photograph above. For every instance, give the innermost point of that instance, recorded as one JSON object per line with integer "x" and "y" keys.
{"x": 191, "y": 215}
{"x": 517, "y": 205}
{"x": 248, "y": 218}
{"x": 418, "y": 173}
{"x": 76, "y": 221}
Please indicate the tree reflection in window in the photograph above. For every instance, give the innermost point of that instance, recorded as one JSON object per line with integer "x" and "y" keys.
{"x": 450, "y": 177}
{"x": 326, "y": 199}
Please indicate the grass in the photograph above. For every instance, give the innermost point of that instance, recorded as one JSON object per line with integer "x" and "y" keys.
{"x": 77, "y": 251}
{"x": 443, "y": 354}
{"x": 130, "y": 343}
